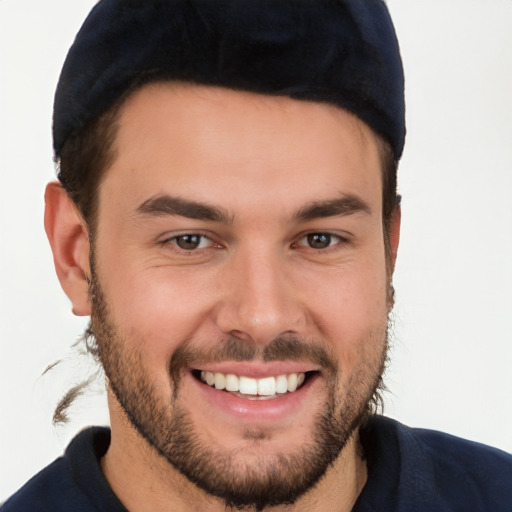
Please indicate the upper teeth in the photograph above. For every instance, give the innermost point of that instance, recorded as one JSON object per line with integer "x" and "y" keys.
{"x": 267, "y": 386}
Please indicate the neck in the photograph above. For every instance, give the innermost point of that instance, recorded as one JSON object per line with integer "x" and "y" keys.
{"x": 145, "y": 482}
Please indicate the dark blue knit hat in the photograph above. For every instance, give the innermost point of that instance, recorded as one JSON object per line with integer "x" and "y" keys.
{"x": 342, "y": 52}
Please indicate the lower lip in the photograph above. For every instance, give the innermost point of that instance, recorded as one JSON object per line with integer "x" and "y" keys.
{"x": 267, "y": 410}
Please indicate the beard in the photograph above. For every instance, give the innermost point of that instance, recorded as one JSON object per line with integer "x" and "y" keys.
{"x": 239, "y": 479}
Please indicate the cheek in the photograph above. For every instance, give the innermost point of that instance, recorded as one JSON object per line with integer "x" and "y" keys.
{"x": 351, "y": 311}
{"x": 157, "y": 309}
{"x": 355, "y": 297}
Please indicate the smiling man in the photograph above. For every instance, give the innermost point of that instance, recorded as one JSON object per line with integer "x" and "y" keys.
{"x": 227, "y": 215}
{"x": 238, "y": 289}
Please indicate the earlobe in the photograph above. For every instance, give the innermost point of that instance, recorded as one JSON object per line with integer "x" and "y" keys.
{"x": 67, "y": 234}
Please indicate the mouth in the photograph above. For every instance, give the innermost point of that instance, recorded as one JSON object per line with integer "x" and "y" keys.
{"x": 266, "y": 388}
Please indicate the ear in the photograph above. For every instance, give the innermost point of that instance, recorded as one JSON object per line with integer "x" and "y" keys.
{"x": 67, "y": 234}
{"x": 394, "y": 235}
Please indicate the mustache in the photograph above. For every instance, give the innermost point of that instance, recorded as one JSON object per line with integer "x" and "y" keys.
{"x": 281, "y": 348}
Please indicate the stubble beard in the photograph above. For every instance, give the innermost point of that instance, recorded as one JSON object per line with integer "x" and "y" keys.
{"x": 239, "y": 482}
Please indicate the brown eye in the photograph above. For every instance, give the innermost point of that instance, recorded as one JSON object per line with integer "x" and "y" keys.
{"x": 320, "y": 240}
{"x": 190, "y": 242}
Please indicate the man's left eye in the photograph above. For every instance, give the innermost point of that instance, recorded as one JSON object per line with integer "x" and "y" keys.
{"x": 191, "y": 242}
{"x": 319, "y": 240}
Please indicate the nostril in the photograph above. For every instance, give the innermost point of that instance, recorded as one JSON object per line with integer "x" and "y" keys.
{"x": 241, "y": 336}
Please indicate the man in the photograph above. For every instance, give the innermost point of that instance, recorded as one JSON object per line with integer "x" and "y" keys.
{"x": 227, "y": 215}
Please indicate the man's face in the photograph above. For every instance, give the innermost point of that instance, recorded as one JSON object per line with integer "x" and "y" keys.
{"x": 240, "y": 243}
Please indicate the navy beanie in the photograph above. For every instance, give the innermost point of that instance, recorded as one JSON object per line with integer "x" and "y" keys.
{"x": 342, "y": 52}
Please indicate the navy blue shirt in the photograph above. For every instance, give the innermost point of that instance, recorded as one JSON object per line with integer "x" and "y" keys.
{"x": 409, "y": 470}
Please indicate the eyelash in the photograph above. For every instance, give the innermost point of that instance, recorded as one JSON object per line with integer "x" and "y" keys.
{"x": 308, "y": 238}
{"x": 174, "y": 241}
{"x": 337, "y": 239}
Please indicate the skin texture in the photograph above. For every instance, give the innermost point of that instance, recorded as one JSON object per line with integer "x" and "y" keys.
{"x": 256, "y": 297}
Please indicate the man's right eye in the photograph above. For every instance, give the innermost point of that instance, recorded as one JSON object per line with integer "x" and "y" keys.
{"x": 191, "y": 241}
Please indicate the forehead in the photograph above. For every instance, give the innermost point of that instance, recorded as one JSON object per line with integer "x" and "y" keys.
{"x": 220, "y": 145}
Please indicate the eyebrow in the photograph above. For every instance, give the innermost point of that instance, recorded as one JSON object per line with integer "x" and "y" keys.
{"x": 345, "y": 205}
{"x": 162, "y": 205}
{"x": 168, "y": 205}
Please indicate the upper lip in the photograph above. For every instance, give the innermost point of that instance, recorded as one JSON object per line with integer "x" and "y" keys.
{"x": 258, "y": 370}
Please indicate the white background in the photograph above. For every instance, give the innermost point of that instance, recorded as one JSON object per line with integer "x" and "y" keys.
{"x": 452, "y": 357}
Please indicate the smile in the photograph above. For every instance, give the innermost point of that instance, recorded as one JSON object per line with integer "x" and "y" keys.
{"x": 247, "y": 386}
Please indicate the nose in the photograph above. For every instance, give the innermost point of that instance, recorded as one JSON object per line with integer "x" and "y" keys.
{"x": 259, "y": 298}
